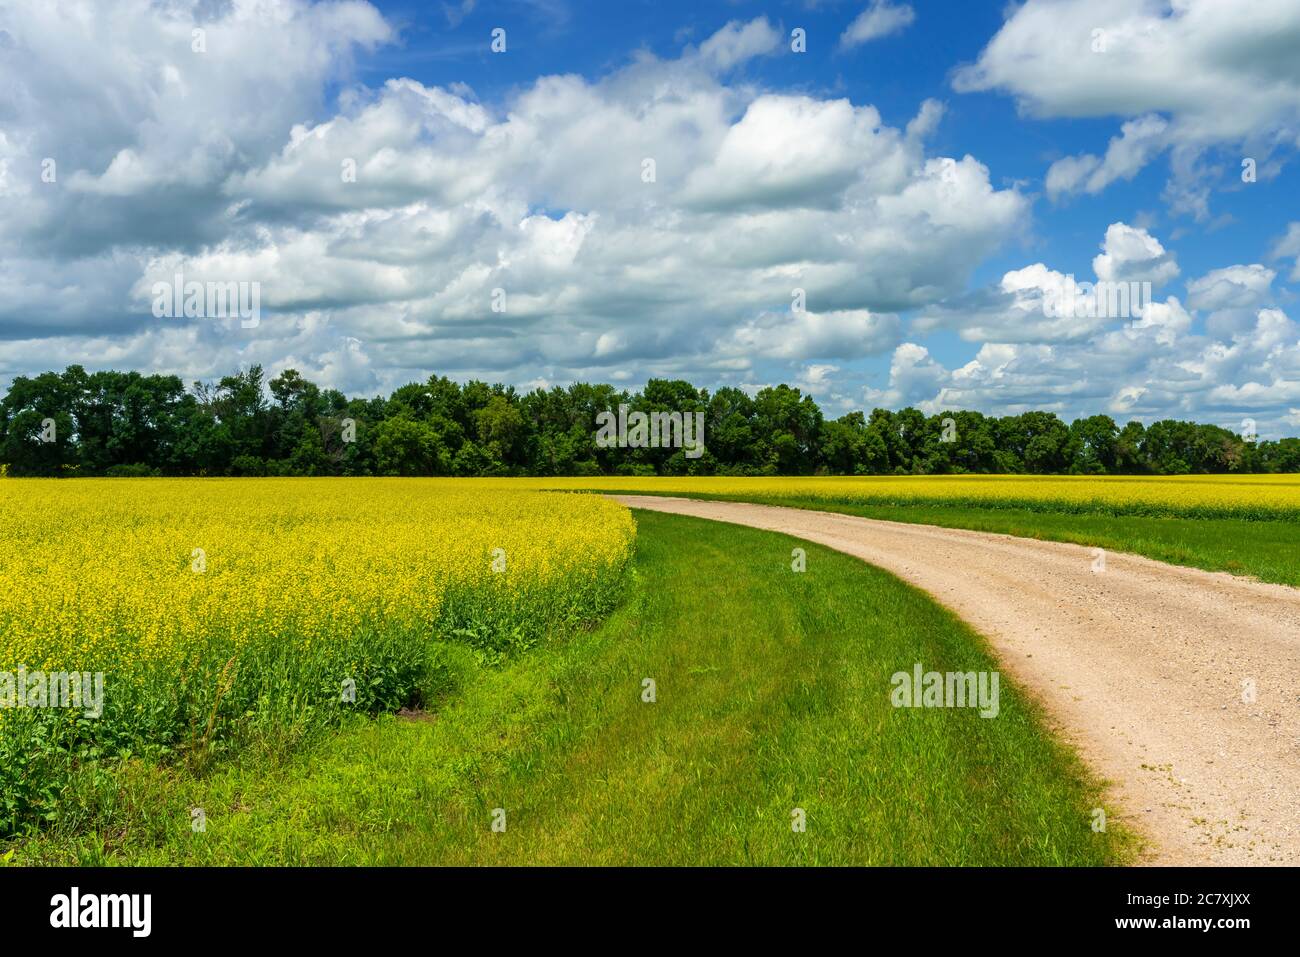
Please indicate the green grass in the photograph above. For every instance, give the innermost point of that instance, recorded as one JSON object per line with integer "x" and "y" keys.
{"x": 1267, "y": 550}
{"x": 772, "y": 694}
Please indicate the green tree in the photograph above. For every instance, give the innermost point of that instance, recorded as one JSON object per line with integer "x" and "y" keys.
{"x": 1095, "y": 445}
{"x": 405, "y": 446}
{"x": 787, "y": 425}
{"x": 37, "y": 428}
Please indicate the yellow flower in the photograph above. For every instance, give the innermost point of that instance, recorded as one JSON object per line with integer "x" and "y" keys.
{"x": 160, "y": 582}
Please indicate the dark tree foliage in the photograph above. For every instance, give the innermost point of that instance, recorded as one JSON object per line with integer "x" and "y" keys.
{"x": 125, "y": 424}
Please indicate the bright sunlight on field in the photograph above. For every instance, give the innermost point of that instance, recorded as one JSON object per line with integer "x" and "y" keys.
{"x": 1250, "y": 497}
{"x": 218, "y": 607}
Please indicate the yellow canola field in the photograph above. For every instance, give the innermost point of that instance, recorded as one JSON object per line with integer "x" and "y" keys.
{"x": 105, "y": 573}
{"x": 1252, "y": 497}
{"x": 215, "y": 608}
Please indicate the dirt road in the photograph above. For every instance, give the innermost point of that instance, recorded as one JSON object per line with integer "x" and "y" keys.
{"x": 1178, "y": 686}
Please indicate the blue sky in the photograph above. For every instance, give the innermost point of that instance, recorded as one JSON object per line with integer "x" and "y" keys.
{"x": 928, "y": 172}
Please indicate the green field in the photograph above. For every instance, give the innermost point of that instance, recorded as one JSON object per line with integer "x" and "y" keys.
{"x": 772, "y": 694}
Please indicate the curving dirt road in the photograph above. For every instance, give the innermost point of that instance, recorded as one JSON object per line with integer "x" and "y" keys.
{"x": 1144, "y": 667}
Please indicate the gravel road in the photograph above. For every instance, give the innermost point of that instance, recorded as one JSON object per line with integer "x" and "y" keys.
{"x": 1179, "y": 687}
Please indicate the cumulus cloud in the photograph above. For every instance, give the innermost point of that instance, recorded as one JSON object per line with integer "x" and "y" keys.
{"x": 1131, "y": 254}
{"x": 914, "y": 379}
{"x": 1189, "y": 76}
{"x": 156, "y": 131}
{"x": 1148, "y": 368}
{"x": 797, "y": 152}
{"x": 1039, "y": 304}
{"x": 1015, "y": 310}
{"x": 657, "y": 220}
{"x": 654, "y": 220}
{"x": 848, "y": 334}
{"x": 1165, "y": 321}
{"x": 1233, "y": 287}
{"x": 1229, "y": 353}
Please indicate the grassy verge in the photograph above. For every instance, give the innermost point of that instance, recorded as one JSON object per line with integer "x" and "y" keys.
{"x": 1267, "y": 550}
{"x": 772, "y": 693}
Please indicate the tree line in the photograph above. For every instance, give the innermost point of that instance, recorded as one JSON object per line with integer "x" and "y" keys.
{"x": 109, "y": 423}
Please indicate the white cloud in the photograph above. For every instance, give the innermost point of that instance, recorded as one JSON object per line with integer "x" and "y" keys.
{"x": 1015, "y": 310}
{"x": 1191, "y": 75}
{"x": 1138, "y": 142}
{"x": 1167, "y": 321}
{"x": 1131, "y": 254}
{"x": 1040, "y": 304}
{"x": 797, "y": 151}
{"x": 156, "y": 119}
{"x": 848, "y": 334}
{"x": 818, "y": 380}
{"x": 370, "y": 283}
{"x": 1244, "y": 362}
{"x": 913, "y": 378}
{"x": 380, "y": 227}
{"x": 880, "y": 19}
{"x": 737, "y": 42}
{"x": 1148, "y": 368}
{"x": 1288, "y": 247}
{"x": 1233, "y": 287}
{"x": 926, "y": 120}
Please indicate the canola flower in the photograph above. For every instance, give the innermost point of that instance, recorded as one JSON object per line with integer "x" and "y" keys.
{"x": 216, "y": 605}
{"x": 1248, "y": 497}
